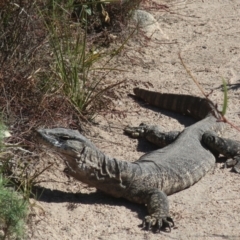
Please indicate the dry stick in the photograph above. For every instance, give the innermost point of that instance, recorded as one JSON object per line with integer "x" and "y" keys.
{"x": 104, "y": 90}
{"x": 205, "y": 95}
{"x": 231, "y": 124}
{"x": 39, "y": 173}
{"x": 193, "y": 78}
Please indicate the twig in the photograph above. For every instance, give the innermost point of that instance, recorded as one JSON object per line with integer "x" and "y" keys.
{"x": 223, "y": 119}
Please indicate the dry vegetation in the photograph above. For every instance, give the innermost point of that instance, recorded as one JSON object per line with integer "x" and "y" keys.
{"x": 47, "y": 63}
{"x": 54, "y": 63}
{"x": 55, "y": 57}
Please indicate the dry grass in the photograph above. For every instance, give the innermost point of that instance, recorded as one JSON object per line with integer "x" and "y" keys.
{"x": 33, "y": 93}
{"x": 30, "y": 94}
{"x": 50, "y": 76}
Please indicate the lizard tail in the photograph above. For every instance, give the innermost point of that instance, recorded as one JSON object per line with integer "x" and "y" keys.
{"x": 195, "y": 107}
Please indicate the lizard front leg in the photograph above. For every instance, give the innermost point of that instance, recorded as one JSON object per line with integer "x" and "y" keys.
{"x": 227, "y": 147}
{"x": 158, "y": 209}
{"x": 153, "y": 134}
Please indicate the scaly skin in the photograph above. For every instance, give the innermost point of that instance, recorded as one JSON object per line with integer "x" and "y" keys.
{"x": 227, "y": 147}
{"x": 156, "y": 174}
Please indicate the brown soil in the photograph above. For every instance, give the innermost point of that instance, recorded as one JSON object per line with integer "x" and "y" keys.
{"x": 207, "y": 35}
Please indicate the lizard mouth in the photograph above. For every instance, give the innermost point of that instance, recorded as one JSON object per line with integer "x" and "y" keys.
{"x": 66, "y": 145}
{"x": 48, "y": 139}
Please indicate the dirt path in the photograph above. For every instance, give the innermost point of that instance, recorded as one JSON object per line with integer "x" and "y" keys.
{"x": 209, "y": 42}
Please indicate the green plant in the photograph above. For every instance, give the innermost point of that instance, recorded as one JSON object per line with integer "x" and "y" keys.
{"x": 75, "y": 66}
{"x": 13, "y": 212}
{"x": 225, "y": 99}
{"x": 13, "y": 208}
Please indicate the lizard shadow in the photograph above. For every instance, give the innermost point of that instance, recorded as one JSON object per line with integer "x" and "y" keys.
{"x": 57, "y": 196}
{"x": 232, "y": 86}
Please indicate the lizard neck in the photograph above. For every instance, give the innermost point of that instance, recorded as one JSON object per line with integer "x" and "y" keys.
{"x": 96, "y": 169}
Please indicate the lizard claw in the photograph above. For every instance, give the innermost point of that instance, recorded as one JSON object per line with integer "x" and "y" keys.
{"x": 236, "y": 168}
{"x": 158, "y": 222}
{"x": 234, "y": 162}
{"x": 136, "y": 132}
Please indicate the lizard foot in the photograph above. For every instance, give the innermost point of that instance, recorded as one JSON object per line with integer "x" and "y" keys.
{"x": 158, "y": 222}
{"x": 235, "y": 163}
{"x": 136, "y": 132}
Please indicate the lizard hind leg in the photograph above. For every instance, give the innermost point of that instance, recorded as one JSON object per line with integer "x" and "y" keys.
{"x": 227, "y": 147}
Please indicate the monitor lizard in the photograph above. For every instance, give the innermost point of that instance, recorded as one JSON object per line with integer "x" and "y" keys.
{"x": 184, "y": 159}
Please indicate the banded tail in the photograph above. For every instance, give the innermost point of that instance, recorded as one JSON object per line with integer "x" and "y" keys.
{"x": 195, "y": 107}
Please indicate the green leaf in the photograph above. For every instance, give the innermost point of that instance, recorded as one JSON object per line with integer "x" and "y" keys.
{"x": 224, "y": 109}
{"x": 87, "y": 9}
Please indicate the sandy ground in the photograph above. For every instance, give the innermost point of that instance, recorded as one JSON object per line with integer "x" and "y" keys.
{"x": 207, "y": 33}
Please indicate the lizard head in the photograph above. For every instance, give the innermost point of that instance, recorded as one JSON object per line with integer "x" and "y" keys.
{"x": 65, "y": 141}
{"x": 79, "y": 154}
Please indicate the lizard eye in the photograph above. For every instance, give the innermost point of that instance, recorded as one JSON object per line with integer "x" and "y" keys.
{"x": 64, "y": 137}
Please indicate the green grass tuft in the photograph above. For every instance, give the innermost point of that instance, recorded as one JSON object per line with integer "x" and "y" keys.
{"x": 13, "y": 213}
{"x": 225, "y": 100}
{"x": 13, "y": 208}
